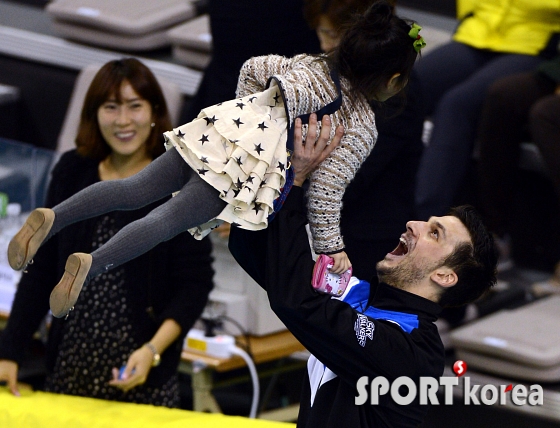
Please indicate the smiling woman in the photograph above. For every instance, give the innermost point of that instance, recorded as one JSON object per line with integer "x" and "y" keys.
{"x": 125, "y": 121}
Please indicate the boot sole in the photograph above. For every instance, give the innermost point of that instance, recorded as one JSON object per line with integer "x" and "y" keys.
{"x": 26, "y": 242}
{"x": 65, "y": 294}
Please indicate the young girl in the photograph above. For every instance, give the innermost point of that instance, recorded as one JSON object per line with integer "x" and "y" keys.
{"x": 232, "y": 163}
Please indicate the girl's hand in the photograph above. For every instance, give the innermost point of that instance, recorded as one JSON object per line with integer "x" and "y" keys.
{"x": 136, "y": 372}
{"x": 341, "y": 263}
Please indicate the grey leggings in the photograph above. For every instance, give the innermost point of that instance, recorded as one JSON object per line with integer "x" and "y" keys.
{"x": 196, "y": 203}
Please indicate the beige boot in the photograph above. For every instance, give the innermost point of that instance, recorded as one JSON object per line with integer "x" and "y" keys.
{"x": 65, "y": 294}
{"x": 26, "y": 242}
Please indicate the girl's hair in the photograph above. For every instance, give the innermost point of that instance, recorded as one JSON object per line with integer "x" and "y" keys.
{"x": 106, "y": 84}
{"x": 373, "y": 48}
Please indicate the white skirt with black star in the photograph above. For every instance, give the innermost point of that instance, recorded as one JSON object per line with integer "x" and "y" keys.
{"x": 239, "y": 148}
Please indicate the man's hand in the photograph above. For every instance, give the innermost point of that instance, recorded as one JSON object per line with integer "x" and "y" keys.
{"x": 310, "y": 153}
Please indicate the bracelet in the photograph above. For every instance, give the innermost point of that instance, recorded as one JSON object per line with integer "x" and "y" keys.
{"x": 156, "y": 359}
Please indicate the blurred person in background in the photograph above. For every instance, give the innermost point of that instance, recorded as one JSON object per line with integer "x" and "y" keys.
{"x": 519, "y": 108}
{"x": 494, "y": 39}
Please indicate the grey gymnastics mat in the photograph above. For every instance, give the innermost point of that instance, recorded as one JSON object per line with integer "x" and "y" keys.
{"x": 192, "y": 42}
{"x": 522, "y": 343}
{"x": 122, "y": 24}
{"x": 191, "y": 58}
{"x": 115, "y": 41}
{"x": 194, "y": 34}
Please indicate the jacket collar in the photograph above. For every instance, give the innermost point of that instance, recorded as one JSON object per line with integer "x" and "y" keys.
{"x": 391, "y": 298}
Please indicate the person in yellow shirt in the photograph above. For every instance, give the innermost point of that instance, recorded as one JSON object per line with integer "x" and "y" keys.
{"x": 494, "y": 39}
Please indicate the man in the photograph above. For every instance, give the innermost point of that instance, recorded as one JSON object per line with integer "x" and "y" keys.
{"x": 448, "y": 260}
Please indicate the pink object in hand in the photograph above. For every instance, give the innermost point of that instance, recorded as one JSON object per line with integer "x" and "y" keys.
{"x": 326, "y": 282}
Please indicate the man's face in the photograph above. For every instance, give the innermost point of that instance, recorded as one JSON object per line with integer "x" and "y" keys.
{"x": 422, "y": 249}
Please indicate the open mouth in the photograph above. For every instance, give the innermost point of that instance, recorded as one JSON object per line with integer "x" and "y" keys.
{"x": 401, "y": 249}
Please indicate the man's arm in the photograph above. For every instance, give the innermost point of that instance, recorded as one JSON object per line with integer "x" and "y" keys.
{"x": 255, "y": 72}
{"x": 324, "y": 325}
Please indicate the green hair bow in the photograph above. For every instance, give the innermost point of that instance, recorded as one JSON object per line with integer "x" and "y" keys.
{"x": 419, "y": 41}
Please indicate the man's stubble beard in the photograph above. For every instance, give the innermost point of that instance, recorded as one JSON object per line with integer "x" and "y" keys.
{"x": 405, "y": 274}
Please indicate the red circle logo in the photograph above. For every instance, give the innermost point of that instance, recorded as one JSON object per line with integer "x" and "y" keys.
{"x": 460, "y": 368}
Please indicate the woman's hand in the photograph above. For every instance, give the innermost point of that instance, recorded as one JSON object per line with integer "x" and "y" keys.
{"x": 341, "y": 263}
{"x": 8, "y": 374}
{"x": 310, "y": 153}
{"x": 136, "y": 371}
{"x": 140, "y": 362}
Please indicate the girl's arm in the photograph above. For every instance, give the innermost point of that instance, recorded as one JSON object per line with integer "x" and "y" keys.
{"x": 305, "y": 152}
{"x": 327, "y": 185}
{"x": 256, "y": 71}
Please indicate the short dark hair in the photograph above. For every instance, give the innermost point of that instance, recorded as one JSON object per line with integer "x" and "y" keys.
{"x": 375, "y": 46}
{"x": 107, "y": 83}
{"x": 474, "y": 262}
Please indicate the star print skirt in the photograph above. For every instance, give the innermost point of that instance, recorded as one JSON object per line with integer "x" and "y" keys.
{"x": 239, "y": 148}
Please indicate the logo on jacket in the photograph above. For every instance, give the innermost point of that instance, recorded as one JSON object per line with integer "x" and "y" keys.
{"x": 364, "y": 329}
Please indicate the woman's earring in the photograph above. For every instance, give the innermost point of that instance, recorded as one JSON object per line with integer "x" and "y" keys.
{"x": 152, "y": 124}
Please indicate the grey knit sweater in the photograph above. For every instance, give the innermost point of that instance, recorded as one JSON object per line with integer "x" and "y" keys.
{"x": 306, "y": 87}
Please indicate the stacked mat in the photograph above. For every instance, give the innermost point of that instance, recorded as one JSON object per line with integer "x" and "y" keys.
{"x": 130, "y": 25}
{"x": 192, "y": 42}
{"x": 522, "y": 343}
